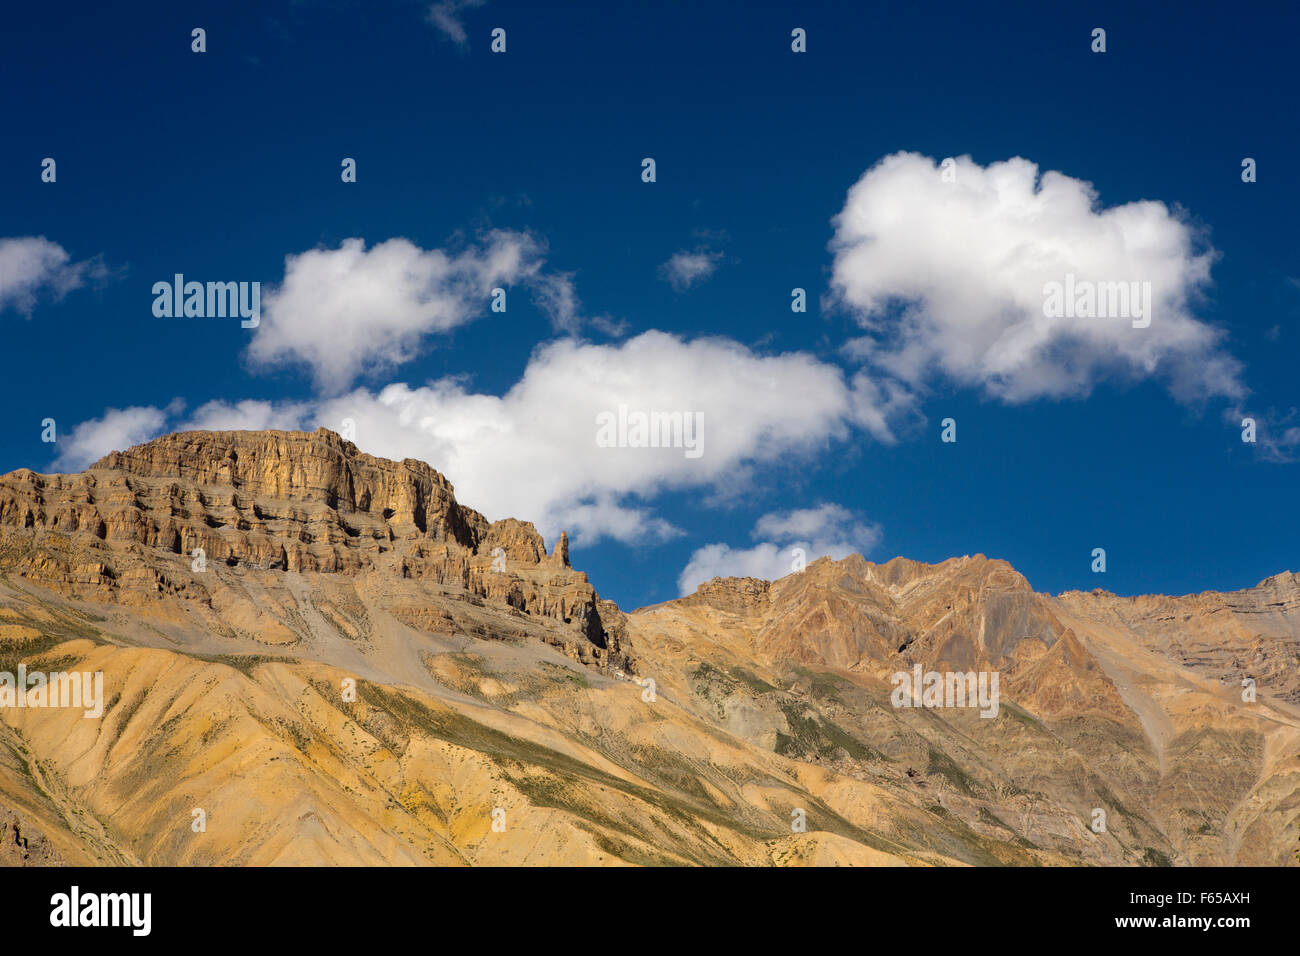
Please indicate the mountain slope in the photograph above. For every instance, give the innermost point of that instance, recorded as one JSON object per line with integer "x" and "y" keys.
{"x": 336, "y": 662}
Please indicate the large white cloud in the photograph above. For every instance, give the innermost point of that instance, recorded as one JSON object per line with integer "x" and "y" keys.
{"x": 947, "y": 275}
{"x": 33, "y": 265}
{"x": 826, "y": 530}
{"x": 350, "y": 310}
{"x": 533, "y": 453}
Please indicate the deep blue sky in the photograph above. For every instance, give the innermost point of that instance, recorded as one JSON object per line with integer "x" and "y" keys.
{"x": 221, "y": 164}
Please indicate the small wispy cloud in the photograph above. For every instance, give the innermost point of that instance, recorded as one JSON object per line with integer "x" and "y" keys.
{"x": 446, "y": 16}
{"x": 33, "y": 266}
{"x": 1274, "y": 434}
{"x": 686, "y": 268}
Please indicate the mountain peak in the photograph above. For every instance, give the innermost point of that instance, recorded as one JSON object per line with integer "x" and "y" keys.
{"x": 184, "y": 515}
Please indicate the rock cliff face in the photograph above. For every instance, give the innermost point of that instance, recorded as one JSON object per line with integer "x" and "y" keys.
{"x": 23, "y": 847}
{"x": 157, "y": 520}
{"x": 734, "y": 595}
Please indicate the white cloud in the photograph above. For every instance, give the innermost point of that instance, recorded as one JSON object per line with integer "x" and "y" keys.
{"x": 446, "y": 16}
{"x": 881, "y": 407}
{"x": 1277, "y": 436}
{"x": 116, "y": 430}
{"x": 532, "y": 452}
{"x": 346, "y": 311}
{"x": 31, "y": 265}
{"x": 248, "y": 415}
{"x": 827, "y": 529}
{"x": 555, "y": 295}
{"x": 948, "y": 278}
{"x": 685, "y": 269}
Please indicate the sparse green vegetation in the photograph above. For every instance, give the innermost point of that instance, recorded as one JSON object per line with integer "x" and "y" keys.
{"x": 1024, "y": 717}
{"x": 946, "y": 767}
{"x": 566, "y": 674}
{"x": 247, "y": 663}
{"x": 752, "y": 681}
{"x": 812, "y": 735}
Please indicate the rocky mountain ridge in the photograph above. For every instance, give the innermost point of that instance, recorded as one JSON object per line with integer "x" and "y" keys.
{"x": 130, "y": 527}
{"x": 231, "y": 587}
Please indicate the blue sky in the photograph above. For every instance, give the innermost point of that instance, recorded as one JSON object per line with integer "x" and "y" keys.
{"x": 524, "y": 170}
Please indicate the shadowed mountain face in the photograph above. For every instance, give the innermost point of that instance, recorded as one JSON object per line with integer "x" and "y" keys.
{"x": 314, "y": 656}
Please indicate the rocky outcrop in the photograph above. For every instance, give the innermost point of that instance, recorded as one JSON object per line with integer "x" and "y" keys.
{"x": 734, "y": 595}
{"x": 156, "y": 520}
{"x": 21, "y": 844}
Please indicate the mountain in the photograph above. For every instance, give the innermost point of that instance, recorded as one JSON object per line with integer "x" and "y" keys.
{"x": 314, "y": 656}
